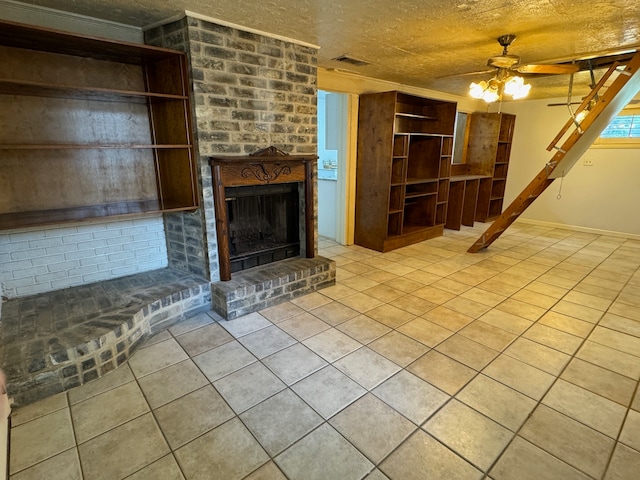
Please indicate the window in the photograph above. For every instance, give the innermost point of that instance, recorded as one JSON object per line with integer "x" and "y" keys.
{"x": 622, "y": 132}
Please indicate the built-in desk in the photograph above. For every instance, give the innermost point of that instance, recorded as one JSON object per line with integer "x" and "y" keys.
{"x": 463, "y": 198}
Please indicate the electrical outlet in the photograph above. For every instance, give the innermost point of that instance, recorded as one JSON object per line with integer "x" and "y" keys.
{"x": 588, "y": 162}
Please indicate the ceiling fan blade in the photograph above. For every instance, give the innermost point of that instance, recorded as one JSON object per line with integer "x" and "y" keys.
{"x": 548, "y": 69}
{"x": 468, "y": 74}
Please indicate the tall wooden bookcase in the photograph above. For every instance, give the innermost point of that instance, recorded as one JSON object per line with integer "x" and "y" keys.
{"x": 488, "y": 148}
{"x": 91, "y": 127}
{"x": 404, "y": 162}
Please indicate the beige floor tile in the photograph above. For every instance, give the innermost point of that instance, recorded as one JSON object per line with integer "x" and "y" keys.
{"x": 467, "y": 307}
{"x": 280, "y": 421}
{"x": 248, "y": 387}
{"x": 488, "y": 335}
{"x": 398, "y": 348}
{"x": 131, "y": 447}
{"x": 433, "y": 295}
{"x": 268, "y": 471}
{"x": 424, "y": 277}
{"x": 39, "y": 409}
{"x": 580, "y": 312}
{"x": 483, "y": 296}
{"x": 506, "y": 321}
{"x": 191, "y": 323}
{"x": 361, "y": 302}
{"x": 331, "y": 344}
{"x": 380, "y": 276}
{"x": 337, "y": 291}
{"x": 385, "y": 293}
{"x": 524, "y": 378}
{"x": 267, "y": 341}
{"x": 412, "y": 304}
{"x": 203, "y": 339}
{"x": 524, "y": 461}
{"x": 546, "y": 289}
{"x": 363, "y": 329}
{"x": 466, "y": 351}
{"x": 599, "y": 380}
{"x": 625, "y": 464}
{"x": 620, "y": 324}
{"x": 522, "y": 309}
{"x": 334, "y": 313}
{"x": 372, "y": 427}
{"x": 557, "y": 280}
{"x": 405, "y": 284}
{"x": 567, "y": 324}
{"x": 164, "y": 469}
{"x": 500, "y": 403}
{"x": 376, "y": 475}
{"x": 447, "y": 318}
{"x": 496, "y": 286}
{"x": 616, "y": 340}
{"x": 443, "y": 268}
{"x": 114, "y": 378}
{"x": 425, "y": 332}
{"x": 294, "y": 363}
{"x": 421, "y": 456}
{"x": 539, "y": 300}
{"x": 359, "y": 283}
{"x": 453, "y": 287}
{"x": 630, "y": 435}
{"x": 303, "y": 326}
{"x": 192, "y": 415}
{"x": 609, "y": 358}
{"x": 103, "y": 412}
{"x": 442, "y": 372}
{"x": 469, "y": 434}
{"x": 411, "y": 396}
{"x": 635, "y": 404}
{"x": 328, "y": 391}
{"x": 367, "y": 367}
{"x": 223, "y": 360}
{"x": 556, "y": 339}
{"x": 172, "y": 382}
{"x": 572, "y": 442}
{"x": 588, "y": 300}
{"x": 629, "y": 296}
{"x": 282, "y": 311}
{"x": 323, "y": 454}
{"x": 537, "y": 355}
{"x": 390, "y": 316}
{"x": 64, "y": 466}
{"x": 228, "y": 452}
{"x": 39, "y": 439}
{"x": 241, "y": 326}
{"x": 156, "y": 357}
{"x": 358, "y": 268}
{"x": 586, "y": 407}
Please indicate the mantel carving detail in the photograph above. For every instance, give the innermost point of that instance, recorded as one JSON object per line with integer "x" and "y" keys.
{"x": 262, "y": 173}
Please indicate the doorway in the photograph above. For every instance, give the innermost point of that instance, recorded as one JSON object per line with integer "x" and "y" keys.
{"x": 332, "y": 161}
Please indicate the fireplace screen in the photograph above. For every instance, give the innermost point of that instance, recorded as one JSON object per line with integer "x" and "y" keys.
{"x": 263, "y": 224}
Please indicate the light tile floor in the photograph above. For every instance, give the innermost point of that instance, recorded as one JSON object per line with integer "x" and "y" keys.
{"x": 520, "y": 362}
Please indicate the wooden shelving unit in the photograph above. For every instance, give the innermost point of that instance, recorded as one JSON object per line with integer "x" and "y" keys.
{"x": 405, "y": 145}
{"x": 91, "y": 127}
{"x": 488, "y": 147}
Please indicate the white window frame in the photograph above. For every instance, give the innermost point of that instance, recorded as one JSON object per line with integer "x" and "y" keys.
{"x": 627, "y": 142}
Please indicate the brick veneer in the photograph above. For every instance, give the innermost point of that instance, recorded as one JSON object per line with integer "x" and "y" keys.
{"x": 250, "y": 91}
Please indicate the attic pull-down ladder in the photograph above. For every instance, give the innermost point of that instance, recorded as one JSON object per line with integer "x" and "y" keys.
{"x": 616, "y": 97}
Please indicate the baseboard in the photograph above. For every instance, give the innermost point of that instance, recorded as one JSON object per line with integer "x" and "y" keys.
{"x": 595, "y": 231}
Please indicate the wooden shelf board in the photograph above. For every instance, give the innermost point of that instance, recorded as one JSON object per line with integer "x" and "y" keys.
{"x": 419, "y": 194}
{"x": 414, "y": 181}
{"x": 70, "y": 146}
{"x": 414, "y": 115}
{"x": 40, "y": 89}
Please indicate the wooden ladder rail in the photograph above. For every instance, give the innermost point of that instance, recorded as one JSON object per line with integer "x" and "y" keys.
{"x": 541, "y": 181}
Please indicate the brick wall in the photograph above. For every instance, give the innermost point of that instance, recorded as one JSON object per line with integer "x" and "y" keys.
{"x": 35, "y": 261}
{"x": 250, "y": 91}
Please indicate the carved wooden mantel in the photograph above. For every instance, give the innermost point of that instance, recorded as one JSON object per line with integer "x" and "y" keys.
{"x": 267, "y": 166}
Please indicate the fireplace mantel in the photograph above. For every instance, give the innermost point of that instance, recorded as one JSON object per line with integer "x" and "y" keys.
{"x": 267, "y": 166}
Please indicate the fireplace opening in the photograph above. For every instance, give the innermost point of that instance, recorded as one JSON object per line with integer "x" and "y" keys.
{"x": 263, "y": 224}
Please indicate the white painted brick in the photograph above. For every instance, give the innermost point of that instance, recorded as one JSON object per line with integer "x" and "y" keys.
{"x": 147, "y": 251}
{"x": 80, "y": 255}
{"x": 93, "y": 260}
{"x": 29, "y": 272}
{"x": 78, "y": 237}
{"x": 51, "y": 276}
{"x": 120, "y": 240}
{"x": 136, "y": 245}
{"x": 91, "y": 244}
{"x": 4, "y": 239}
{"x": 110, "y": 265}
{"x": 33, "y": 289}
{"x": 17, "y": 265}
{"x": 61, "y": 249}
{"x": 60, "y": 231}
{"x": 138, "y": 229}
{"x": 26, "y": 236}
{"x": 80, "y": 271}
{"x": 120, "y": 256}
{"x": 96, "y": 277}
{"x": 45, "y": 242}
{"x": 122, "y": 271}
{"x": 47, "y": 259}
{"x": 109, "y": 250}
{"x": 66, "y": 283}
{"x": 63, "y": 266}
{"x": 107, "y": 234}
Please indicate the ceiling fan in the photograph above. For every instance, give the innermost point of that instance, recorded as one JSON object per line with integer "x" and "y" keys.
{"x": 505, "y": 80}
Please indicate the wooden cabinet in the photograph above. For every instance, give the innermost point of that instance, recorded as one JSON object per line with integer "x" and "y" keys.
{"x": 488, "y": 148}
{"x": 404, "y": 162}
{"x": 91, "y": 127}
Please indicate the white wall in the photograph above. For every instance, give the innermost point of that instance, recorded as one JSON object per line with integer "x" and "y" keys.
{"x": 604, "y": 196}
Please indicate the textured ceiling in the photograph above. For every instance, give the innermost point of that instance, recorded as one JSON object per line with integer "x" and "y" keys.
{"x": 414, "y": 42}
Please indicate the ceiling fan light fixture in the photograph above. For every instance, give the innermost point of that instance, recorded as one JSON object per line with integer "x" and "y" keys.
{"x": 492, "y": 90}
{"x": 516, "y": 88}
{"x": 476, "y": 90}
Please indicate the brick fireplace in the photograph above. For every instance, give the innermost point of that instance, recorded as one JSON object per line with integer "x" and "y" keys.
{"x": 250, "y": 91}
